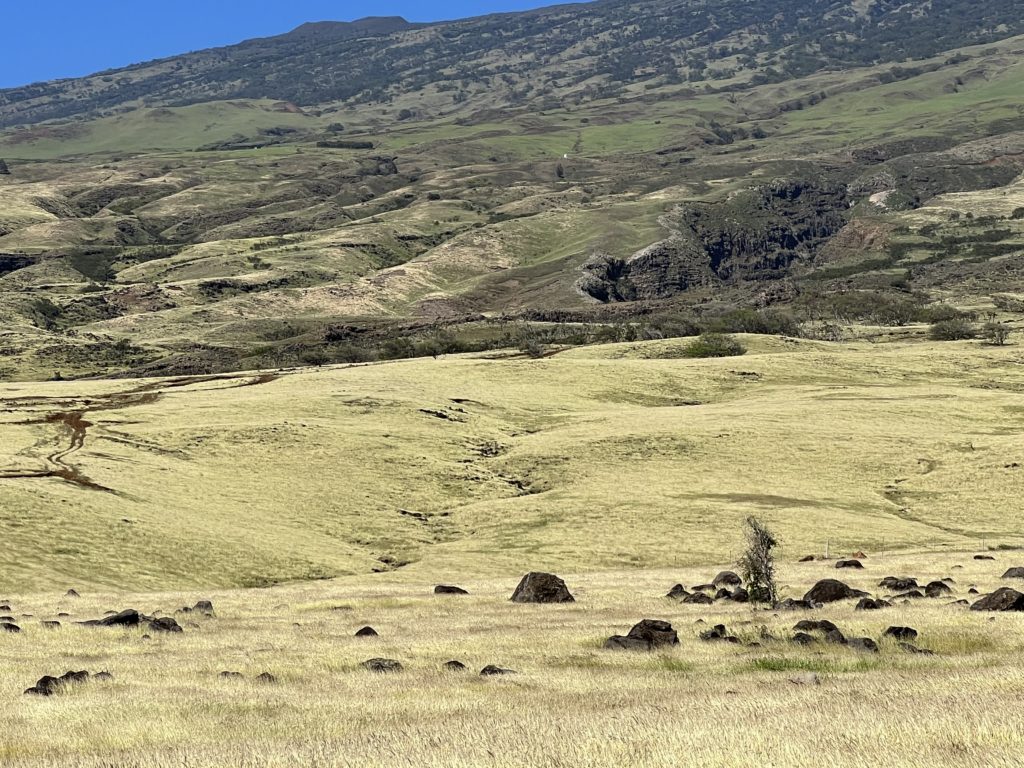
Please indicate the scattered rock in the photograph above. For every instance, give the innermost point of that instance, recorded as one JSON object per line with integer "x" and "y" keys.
{"x": 447, "y": 589}
{"x": 1014, "y": 573}
{"x": 870, "y": 604}
{"x": 901, "y": 633}
{"x": 829, "y": 591}
{"x": 859, "y": 556}
{"x": 103, "y": 677}
{"x": 897, "y": 584}
{"x": 48, "y": 686}
{"x": 914, "y": 594}
{"x": 973, "y": 591}
{"x": 646, "y": 635}
{"x": 454, "y": 666}
{"x": 127, "y": 618}
{"x": 802, "y": 638}
{"x": 71, "y": 593}
{"x": 807, "y": 559}
{"x": 718, "y": 633}
{"x": 492, "y": 670}
{"x": 12, "y": 628}
{"x": 232, "y": 675}
{"x": 808, "y": 625}
{"x": 740, "y": 595}
{"x": 165, "y": 624}
{"x": 50, "y": 624}
{"x": 937, "y": 589}
{"x": 698, "y": 598}
{"x": 366, "y": 632}
{"x": 265, "y": 678}
{"x": 849, "y": 564}
{"x": 1003, "y": 599}
{"x": 382, "y": 665}
{"x": 789, "y": 604}
{"x": 727, "y": 579}
{"x": 835, "y": 637}
{"x": 864, "y": 644}
{"x": 984, "y": 557}
{"x": 542, "y": 588}
{"x": 678, "y": 592}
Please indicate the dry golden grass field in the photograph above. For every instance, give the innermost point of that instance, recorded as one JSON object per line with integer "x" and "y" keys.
{"x": 340, "y": 496}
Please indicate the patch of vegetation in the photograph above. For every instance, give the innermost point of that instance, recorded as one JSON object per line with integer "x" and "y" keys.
{"x": 714, "y": 345}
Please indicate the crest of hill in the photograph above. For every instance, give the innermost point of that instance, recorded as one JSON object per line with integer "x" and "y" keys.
{"x": 538, "y": 58}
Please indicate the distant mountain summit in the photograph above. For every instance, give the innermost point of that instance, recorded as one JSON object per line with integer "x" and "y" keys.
{"x": 339, "y": 30}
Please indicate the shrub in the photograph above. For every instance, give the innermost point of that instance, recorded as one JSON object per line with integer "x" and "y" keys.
{"x": 714, "y": 345}
{"x": 757, "y": 565}
{"x": 951, "y": 330}
{"x": 996, "y": 333}
{"x": 1018, "y": 213}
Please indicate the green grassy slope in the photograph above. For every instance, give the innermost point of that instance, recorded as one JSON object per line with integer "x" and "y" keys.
{"x": 595, "y": 459}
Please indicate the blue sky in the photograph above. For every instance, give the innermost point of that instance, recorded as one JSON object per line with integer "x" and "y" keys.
{"x": 70, "y": 38}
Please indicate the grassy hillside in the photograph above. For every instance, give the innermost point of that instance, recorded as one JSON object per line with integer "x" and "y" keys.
{"x": 570, "y": 701}
{"x": 619, "y": 456}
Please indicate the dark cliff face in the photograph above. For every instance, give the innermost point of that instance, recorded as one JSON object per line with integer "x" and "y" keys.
{"x": 756, "y": 235}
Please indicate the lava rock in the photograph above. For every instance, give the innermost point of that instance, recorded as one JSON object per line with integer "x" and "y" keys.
{"x": 937, "y": 589}
{"x": 829, "y": 591}
{"x": 646, "y": 635}
{"x": 809, "y": 625}
{"x": 897, "y": 584}
{"x": 901, "y": 633}
{"x": 454, "y": 666}
{"x": 698, "y": 598}
{"x": 678, "y": 592}
{"x": 448, "y": 589}
{"x": 165, "y": 624}
{"x": 492, "y": 670}
{"x": 382, "y": 665}
{"x": 849, "y": 564}
{"x": 864, "y": 644}
{"x": 542, "y": 588}
{"x": 869, "y": 604}
{"x": 366, "y": 632}
{"x": 265, "y": 678}
{"x": 727, "y": 579}
{"x": 1003, "y": 599}
{"x": 1014, "y": 573}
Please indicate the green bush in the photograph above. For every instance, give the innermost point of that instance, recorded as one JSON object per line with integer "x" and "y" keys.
{"x": 951, "y": 330}
{"x": 714, "y": 345}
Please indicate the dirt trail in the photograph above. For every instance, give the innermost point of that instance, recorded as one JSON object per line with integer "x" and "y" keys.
{"x": 74, "y": 423}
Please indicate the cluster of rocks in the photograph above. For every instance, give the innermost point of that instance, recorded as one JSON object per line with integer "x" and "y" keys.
{"x": 725, "y": 586}
{"x": 132, "y": 618}
{"x": 49, "y": 686}
{"x": 393, "y": 665}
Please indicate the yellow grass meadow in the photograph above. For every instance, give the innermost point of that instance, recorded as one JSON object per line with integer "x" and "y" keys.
{"x": 308, "y": 503}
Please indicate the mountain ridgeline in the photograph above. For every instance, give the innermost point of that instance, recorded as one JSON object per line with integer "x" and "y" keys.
{"x": 536, "y": 58}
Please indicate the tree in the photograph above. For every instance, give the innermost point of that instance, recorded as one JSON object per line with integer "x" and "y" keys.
{"x": 757, "y": 565}
{"x": 996, "y": 333}
{"x": 560, "y": 171}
